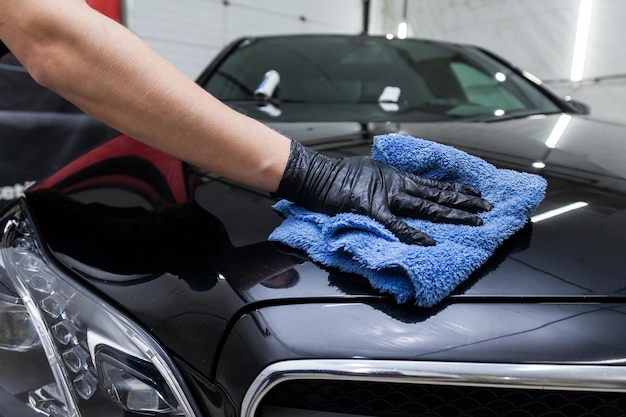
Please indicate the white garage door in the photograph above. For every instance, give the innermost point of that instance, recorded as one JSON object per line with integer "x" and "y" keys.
{"x": 189, "y": 33}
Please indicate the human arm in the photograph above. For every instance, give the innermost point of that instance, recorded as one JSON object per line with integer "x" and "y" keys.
{"x": 111, "y": 74}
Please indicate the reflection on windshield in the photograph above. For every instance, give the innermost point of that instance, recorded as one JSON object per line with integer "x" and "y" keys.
{"x": 381, "y": 78}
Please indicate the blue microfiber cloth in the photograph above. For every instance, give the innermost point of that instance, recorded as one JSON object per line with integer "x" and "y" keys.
{"x": 358, "y": 244}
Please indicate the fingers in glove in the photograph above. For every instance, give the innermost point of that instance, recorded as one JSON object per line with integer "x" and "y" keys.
{"x": 462, "y": 188}
{"x": 419, "y": 208}
{"x": 407, "y": 234}
{"x": 460, "y": 201}
{"x": 450, "y": 186}
{"x": 447, "y": 197}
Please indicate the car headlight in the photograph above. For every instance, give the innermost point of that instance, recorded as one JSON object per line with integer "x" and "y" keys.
{"x": 100, "y": 362}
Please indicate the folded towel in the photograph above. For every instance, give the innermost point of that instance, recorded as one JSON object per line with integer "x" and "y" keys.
{"x": 358, "y": 244}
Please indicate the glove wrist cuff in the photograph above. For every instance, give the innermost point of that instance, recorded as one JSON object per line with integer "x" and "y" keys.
{"x": 305, "y": 172}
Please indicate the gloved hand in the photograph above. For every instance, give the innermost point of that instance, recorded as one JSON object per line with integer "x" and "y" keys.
{"x": 365, "y": 186}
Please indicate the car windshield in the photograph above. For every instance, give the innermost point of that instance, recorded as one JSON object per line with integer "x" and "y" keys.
{"x": 325, "y": 78}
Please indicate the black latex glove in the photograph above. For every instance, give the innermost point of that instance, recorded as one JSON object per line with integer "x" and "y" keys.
{"x": 365, "y": 186}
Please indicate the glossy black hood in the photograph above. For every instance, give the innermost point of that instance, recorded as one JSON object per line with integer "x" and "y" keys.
{"x": 576, "y": 253}
{"x": 186, "y": 253}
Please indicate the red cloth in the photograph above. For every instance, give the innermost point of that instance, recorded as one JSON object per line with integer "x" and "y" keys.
{"x": 110, "y": 8}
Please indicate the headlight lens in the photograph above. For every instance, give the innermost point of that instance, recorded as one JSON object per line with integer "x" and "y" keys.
{"x": 100, "y": 362}
{"x": 17, "y": 332}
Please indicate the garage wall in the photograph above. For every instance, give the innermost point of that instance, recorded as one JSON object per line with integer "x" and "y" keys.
{"x": 536, "y": 35}
{"x": 189, "y": 33}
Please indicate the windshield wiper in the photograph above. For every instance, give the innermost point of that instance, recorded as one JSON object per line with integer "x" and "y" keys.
{"x": 492, "y": 118}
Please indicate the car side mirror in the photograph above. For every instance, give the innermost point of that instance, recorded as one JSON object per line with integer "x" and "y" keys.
{"x": 577, "y": 106}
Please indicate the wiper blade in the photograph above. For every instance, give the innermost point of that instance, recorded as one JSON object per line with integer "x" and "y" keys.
{"x": 269, "y": 106}
{"x": 260, "y": 101}
{"x": 492, "y": 118}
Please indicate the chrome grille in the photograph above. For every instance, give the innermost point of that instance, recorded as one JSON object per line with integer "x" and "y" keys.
{"x": 385, "y": 399}
{"x": 357, "y": 387}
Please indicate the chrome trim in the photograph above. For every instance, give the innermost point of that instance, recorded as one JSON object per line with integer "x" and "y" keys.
{"x": 524, "y": 376}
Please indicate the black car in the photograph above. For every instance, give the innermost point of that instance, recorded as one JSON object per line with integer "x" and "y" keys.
{"x": 133, "y": 284}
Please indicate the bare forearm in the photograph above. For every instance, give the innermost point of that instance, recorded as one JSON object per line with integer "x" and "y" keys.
{"x": 112, "y": 75}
